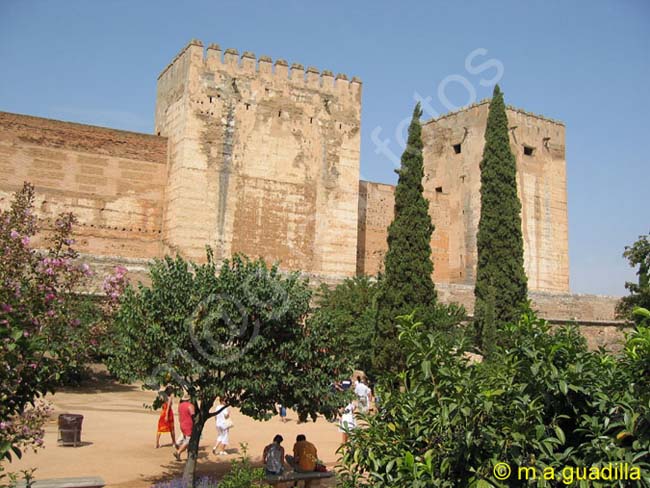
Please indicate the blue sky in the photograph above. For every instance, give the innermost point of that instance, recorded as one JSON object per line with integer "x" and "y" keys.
{"x": 584, "y": 62}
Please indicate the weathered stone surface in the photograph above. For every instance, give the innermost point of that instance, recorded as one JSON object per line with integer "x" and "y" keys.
{"x": 261, "y": 162}
{"x": 262, "y": 158}
{"x": 113, "y": 181}
{"x": 452, "y": 184}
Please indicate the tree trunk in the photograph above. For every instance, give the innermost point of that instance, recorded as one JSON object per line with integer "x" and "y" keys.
{"x": 189, "y": 474}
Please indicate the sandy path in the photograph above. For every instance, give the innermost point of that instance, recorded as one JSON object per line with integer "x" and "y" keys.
{"x": 119, "y": 438}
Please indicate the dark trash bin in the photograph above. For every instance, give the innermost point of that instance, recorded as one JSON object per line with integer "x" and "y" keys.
{"x": 70, "y": 429}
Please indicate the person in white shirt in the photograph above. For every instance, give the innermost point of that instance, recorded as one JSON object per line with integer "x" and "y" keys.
{"x": 363, "y": 392}
{"x": 347, "y": 423}
{"x": 223, "y": 428}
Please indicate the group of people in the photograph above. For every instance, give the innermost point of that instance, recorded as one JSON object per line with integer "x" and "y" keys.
{"x": 362, "y": 403}
{"x": 186, "y": 413}
{"x": 304, "y": 459}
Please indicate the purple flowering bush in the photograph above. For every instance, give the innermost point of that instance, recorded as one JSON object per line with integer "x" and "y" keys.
{"x": 40, "y": 331}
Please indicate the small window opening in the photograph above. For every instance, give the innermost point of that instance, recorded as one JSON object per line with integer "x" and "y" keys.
{"x": 210, "y": 99}
{"x": 311, "y": 119}
{"x": 247, "y": 105}
{"x": 528, "y": 151}
{"x": 340, "y": 126}
{"x": 279, "y": 113}
{"x": 158, "y": 132}
{"x": 438, "y": 189}
{"x": 457, "y": 148}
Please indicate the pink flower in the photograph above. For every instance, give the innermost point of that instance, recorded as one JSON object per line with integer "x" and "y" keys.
{"x": 25, "y": 241}
{"x": 14, "y": 234}
{"x": 6, "y": 308}
{"x": 50, "y": 313}
{"x": 49, "y": 271}
{"x": 49, "y": 297}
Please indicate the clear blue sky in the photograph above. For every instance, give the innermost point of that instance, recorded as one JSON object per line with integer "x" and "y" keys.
{"x": 585, "y": 62}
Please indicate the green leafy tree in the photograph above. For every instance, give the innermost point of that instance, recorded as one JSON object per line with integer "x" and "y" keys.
{"x": 637, "y": 255}
{"x": 237, "y": 332}
{"x": 349, "y": 311}
{"x": 501, "y": 284}
{"x": 406, "y": 284}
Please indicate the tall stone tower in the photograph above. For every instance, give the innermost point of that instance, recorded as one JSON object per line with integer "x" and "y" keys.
{"x": 453, "y": 148}
{"x": 263, "y": 160}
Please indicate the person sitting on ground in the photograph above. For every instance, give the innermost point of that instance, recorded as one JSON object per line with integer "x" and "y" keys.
{"x": 273, "y": 456}
{"x": 304, "y": 455}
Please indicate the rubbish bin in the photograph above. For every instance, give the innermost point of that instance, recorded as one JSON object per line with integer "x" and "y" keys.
{"x": 70, "y": 429}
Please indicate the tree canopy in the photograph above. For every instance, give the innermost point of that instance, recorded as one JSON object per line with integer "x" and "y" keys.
{"x": 638, "y": 255}
{"x": 237, "y": 331}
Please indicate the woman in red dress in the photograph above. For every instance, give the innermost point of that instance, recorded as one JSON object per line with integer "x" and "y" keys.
{"x": 166, "y": 419}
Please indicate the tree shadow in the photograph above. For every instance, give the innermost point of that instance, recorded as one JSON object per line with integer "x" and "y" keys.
{"x": 99, "y": 380}
{"x": 207, "y": 465}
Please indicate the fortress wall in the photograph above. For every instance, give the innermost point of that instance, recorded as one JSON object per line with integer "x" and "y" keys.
{"x": 594, "y": 314}
{"x": 264, "y": 159}
{"x": 112, "y": 180}
{"x": 453, "y": 149}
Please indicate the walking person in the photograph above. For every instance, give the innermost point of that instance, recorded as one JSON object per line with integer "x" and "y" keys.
{"x": 186, "y": 413}
{"x": 363, "y": 393}
{"x": 166, "y": 419}
{"x": 283, "y": 413}
{"x": 347, "y": 423}
{"x": 224, "y": 424}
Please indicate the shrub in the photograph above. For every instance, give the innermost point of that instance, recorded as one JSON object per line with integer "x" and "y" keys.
{"x": 544, "y": 401}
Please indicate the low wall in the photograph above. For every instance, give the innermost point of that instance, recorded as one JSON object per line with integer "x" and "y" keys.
{"x": 594, "y": 314}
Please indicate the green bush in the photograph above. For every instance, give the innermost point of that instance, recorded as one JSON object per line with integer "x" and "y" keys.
{"x": 543, "y": 401}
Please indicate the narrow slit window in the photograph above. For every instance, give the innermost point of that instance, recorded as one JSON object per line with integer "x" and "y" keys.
{"x": 311, "y": 120}
{"x": 210, "y": 99}
{"x": 457, "y": 148}
{"x": 528, "y": 151}
{"x": 279, "y": 113}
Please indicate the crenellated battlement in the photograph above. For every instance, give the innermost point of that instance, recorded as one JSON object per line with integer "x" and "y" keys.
{"x": 247, "y": 64}
{"x": 486, "y": 101}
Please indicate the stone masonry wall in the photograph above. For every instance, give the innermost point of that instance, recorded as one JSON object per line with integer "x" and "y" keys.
{"x": 594, "y": 314}
{"x": 453, "y": 148}
{"x": 112, "y": 180}
{"x": 264, "y": 160}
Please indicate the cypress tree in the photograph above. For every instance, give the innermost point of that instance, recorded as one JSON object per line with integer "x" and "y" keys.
{"x": 501, "y": 285}
{"x": 406, "y": 284}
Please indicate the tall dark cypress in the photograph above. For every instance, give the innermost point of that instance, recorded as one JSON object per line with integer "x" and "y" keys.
{"x": 501, "y": 285}
{"x": 406, "y": 284}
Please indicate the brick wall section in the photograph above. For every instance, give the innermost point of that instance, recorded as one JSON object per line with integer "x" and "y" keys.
{"x": 112, "y": 180}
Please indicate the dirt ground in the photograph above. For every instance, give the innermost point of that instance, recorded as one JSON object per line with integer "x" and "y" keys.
{"x": 118, "y": 436}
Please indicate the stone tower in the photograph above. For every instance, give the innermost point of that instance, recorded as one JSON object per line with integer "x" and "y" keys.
{"x": 263, "y": 160}
{"x": 453, "y": 148}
